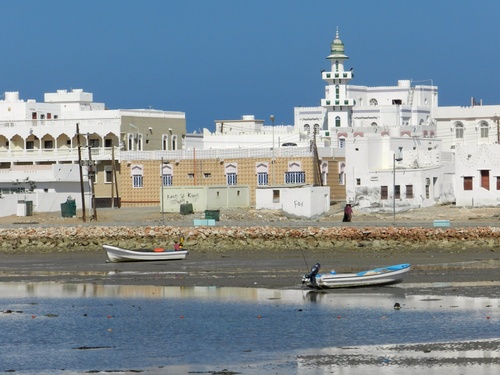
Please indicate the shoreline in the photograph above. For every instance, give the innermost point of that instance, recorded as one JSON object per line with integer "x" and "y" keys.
{"x": 261, "y": 238}
{"x": 471, "y": 273}
{"x": 255, "y": 248}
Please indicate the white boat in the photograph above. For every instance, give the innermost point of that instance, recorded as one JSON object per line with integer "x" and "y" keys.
{"x": 117, "y": 254}
{"x": 378, "y": 276}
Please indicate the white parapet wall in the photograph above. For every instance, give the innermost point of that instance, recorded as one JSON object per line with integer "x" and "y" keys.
{"x": 299, "y": 201}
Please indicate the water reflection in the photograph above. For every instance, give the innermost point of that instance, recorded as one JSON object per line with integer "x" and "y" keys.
{"x": 259, "y": 330}
{"x": 360, "y": 298}
{"x": 474, "y": 357}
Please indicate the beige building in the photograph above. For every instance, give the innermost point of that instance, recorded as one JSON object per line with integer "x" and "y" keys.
{"x": 141, "y": 178}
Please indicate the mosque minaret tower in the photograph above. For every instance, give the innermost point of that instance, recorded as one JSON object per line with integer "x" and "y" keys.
{"x": 336, "y": 102}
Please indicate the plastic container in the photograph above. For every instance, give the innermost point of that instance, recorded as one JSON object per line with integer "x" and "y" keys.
{"x": 212, "y": 214}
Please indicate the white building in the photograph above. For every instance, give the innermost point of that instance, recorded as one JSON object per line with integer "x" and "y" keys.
{"x": 472, "y": 134}
{"x": 369, "y": 125}
{"x": 384, "y": 173}
{"x": 472, "y": 125}
{"x": 477, "y": 177}
{"x": 41, "y": 145}
{"x": 248, "y": 132}
{"x": 351, "y": 111}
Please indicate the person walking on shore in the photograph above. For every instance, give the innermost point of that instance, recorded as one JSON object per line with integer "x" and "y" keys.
{"x": 347, "y": 213}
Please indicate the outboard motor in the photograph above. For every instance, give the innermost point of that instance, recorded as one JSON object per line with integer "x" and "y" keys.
{"x": 312, "y": 275}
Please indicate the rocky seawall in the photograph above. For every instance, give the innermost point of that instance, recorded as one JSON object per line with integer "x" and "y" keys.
{"x": 86, "y": 238}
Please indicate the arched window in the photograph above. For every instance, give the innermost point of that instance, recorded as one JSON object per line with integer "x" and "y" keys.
{"x": 373, "y": 102}
{"x": 131, "y": 142}
{"x": 374, "y": 124}
{"x": 459, "y": 130}
{"x": 341, "y": 142}
{"x": 139, "y": 142}
{"x": 484, "y": 129}
{"x": 337, "y": 92}
{"x": 307, "y": 129}
{"x": 316, "y": 128}
{"x": 174, "y": 142}
{"x": 337, "y": 121}
{"x": 164, "y": 144}
{"x": 337, "y": 66}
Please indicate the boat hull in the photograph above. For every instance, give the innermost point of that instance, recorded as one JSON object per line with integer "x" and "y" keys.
{"x": 117, "y": 254}
{"x": 378, "y": 276}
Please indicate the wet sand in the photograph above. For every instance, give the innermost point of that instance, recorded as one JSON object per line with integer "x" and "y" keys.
{"x": 468, "y": 273}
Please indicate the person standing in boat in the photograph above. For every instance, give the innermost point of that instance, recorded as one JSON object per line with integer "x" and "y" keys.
{"x": 313, "y": 273}
{"x": 177, "y": 247}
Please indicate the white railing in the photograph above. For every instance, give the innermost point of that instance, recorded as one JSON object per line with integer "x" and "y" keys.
{"x": 230, "y": 153}
{"x": 104, "y": 153}
{"x": 66, "y": 154}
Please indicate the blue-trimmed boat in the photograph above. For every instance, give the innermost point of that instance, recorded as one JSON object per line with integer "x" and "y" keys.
{"x": 377, "y": 276}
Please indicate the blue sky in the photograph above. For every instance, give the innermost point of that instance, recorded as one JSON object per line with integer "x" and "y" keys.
{"x": 221, "y": 59}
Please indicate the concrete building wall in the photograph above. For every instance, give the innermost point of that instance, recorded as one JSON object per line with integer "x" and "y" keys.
{"x": 312, "y": 201}
{"x": 174, "y": 197}
{"x": 301, "y": 201}
{"x": 204, "y": 197}
{"x": 479, "y": 125}
{"x": 480, "y": 164}
{"x": 237, "y": 196}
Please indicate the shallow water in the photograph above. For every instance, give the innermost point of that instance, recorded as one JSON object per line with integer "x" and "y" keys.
{"x": 55, "y": 328}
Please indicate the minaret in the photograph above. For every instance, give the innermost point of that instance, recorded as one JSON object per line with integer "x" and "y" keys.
{"x": 336, "y": 102}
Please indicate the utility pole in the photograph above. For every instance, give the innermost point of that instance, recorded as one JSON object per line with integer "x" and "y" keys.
{"x": 394, "y": 159}
{"x": 112, "y": 175}
{"x": 317, "y": 163}
{"x": 498, "y": 129}
{"x": 114, "y": 181}
{"x": 81, "y": 171}
{"x": 91, "y": 170}
{"x": 274, "y": 160}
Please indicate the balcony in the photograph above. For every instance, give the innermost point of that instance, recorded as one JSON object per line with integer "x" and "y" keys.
{"x": 337, "y": 102}
{"x": 329, "y": 76}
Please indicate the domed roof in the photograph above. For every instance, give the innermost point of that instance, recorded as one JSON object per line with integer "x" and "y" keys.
{"x": 337, "y": 48}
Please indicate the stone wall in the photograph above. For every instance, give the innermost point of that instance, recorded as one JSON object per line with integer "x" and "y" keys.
{"x": 81, "y": 238}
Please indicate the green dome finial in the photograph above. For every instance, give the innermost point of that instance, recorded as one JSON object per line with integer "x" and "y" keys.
{"x": 337, "y": 46}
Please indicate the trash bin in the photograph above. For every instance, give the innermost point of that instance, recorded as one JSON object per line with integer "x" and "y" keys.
{"x": 68, "y": 208}
{"x": 29, "y": 208}
{"x": 212, "y": 214}
{"x": 186, "y": 208}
